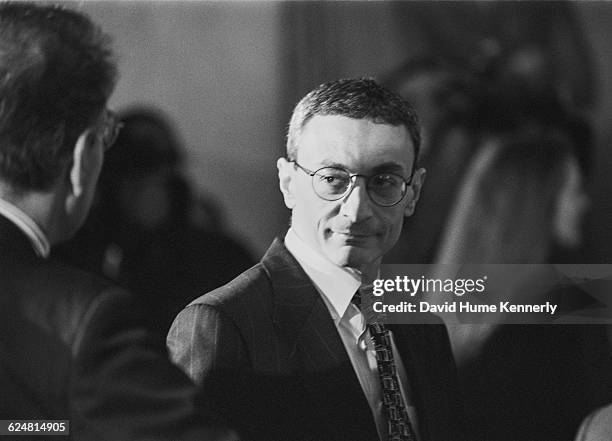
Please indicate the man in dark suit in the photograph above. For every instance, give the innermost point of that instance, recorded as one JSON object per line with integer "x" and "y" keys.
{"x": 284, "y": 348}
{"x": 72, "y": 346}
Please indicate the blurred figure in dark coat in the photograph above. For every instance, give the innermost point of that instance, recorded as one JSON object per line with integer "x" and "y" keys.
{"x": 72, "y": 345}
{"x": 522, "y": 195}
{"x": 144, "y": 234}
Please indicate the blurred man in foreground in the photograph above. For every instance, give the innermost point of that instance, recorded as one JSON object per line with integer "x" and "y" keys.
{"x": 72, "y": 346}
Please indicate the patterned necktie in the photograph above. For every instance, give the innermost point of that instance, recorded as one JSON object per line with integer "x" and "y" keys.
{"x": 398, "y": 421}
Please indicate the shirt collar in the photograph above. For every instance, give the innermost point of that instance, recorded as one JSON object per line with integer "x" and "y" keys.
{"x": 336, "y": 284}
{"x": 26, "y": 224}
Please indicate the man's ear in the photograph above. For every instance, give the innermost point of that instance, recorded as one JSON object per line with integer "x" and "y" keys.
{"x": 285, "y": 181}
{"x": 415, "y": 191}
{"x": 83, "y": 162}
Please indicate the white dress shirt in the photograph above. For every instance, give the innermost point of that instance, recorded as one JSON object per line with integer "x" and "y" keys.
{"x": 38, "y": 239}
{"x": 337, "y": 286}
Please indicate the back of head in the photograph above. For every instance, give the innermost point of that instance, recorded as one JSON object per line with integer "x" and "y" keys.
{"x": 56, "y": 74}
{"x": 359, "y": 98}
{"x": 506, "y": 205}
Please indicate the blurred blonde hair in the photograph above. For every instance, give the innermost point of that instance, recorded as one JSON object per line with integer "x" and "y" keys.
{"x": 504, "y": 213}
{"x": 506, "y": 204}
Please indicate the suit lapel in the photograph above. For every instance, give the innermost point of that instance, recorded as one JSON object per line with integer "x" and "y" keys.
{"x": 300, "y": 314}
{"x": 317, "y": 352}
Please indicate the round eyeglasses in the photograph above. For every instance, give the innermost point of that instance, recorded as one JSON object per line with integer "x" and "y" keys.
{"x": 333, "y": 183}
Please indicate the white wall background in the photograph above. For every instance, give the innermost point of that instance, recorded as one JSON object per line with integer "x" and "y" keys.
{"x": 212, "y": 66}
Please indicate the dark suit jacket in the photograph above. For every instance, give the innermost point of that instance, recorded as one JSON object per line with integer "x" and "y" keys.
{"x": 266, "y": 347}
{"x": 72, "y": 347}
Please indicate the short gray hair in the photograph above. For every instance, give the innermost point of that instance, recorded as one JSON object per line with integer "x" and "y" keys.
{"x": 359, "y": 98}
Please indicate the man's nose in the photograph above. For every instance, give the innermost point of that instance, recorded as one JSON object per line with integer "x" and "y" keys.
{"x": 356, "y": 205}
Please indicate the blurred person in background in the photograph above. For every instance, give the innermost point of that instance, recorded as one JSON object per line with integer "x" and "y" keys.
{"x": 445, "y": 98}
{"x": 72, "y": 345}
{"x": 149, "y": 232}
{"x": 543, "y": 44}
{"x": 527, "y": 190}
{"x": 464, "y": 106}
{"x": 522, "y": 194}
{"x": 439, "y": 91}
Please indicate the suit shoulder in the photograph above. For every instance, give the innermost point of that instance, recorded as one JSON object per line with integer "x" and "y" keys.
{"x": 76, "y": 286}
{"x": 246, "y": 299}
{"x": 251, "y": 286}
{"x": 63, "y": 299}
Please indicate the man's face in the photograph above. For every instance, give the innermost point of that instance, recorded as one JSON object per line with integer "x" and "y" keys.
{"x": 353, "y": 231}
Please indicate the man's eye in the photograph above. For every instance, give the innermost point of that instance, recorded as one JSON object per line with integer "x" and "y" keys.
{"x": 385, "y": 181}
{"x": 330, "y": 179}
{"x": 336, "y": 181}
